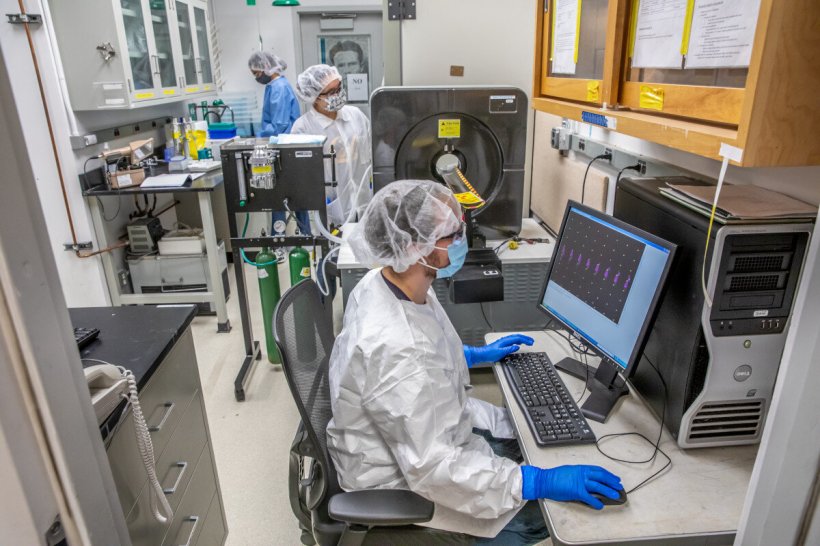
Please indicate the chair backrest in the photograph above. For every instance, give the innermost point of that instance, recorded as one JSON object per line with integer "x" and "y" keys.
{"x": 304, "y": 333}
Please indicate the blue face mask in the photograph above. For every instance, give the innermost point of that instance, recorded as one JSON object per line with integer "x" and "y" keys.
{"x": 457, "y": 253}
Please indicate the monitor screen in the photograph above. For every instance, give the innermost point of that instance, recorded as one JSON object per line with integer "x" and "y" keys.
{"x": 605, "y": 280}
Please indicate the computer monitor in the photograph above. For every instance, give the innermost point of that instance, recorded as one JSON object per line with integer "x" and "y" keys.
{"x": 604, "y": 283}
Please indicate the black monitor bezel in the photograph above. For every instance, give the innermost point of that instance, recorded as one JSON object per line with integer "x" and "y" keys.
{"x": 643, "y": 335}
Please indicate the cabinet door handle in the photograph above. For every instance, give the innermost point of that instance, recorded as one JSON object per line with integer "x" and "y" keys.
{"x": 195, "y": 520}
{"x": 183, "y": 465}
{"x": 156, "y": 63}
{"x": 169, "y": 407}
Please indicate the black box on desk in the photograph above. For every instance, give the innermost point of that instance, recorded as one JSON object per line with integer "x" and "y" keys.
{"x": 479, "y": 280}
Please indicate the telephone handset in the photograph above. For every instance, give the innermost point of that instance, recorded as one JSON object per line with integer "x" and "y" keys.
{"x": 108, "y": 385}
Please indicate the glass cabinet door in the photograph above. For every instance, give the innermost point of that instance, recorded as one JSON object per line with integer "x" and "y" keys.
{"x": 164, "y": 57}
{"x": 136, "y": 38}
{"x": 578, "y": 47}
{"x": 204, "y": 53}
{"x": 187, "y": 43}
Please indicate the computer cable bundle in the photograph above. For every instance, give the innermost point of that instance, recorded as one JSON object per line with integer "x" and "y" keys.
{"x": 656, "y": 444}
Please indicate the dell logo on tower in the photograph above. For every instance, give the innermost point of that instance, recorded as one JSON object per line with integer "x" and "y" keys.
{"x": 742, "y": 373}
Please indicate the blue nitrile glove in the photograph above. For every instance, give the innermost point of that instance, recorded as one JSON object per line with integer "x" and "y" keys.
{"x": 570, "y": 483}
{"x": 496, "y": 350}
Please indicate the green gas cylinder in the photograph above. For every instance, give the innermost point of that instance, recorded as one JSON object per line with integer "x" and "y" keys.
{"x": 299, "y": 263}
{"x": 268, "y": 272}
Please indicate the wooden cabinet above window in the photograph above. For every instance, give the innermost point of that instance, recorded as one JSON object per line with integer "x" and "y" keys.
{"x": 672, "y": 96}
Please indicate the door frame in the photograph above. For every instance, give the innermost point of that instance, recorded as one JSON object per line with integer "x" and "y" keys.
{"x": 297, "y": 13}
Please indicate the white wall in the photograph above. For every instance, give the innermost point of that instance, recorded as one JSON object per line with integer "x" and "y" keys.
{"x": 493, "y": 41}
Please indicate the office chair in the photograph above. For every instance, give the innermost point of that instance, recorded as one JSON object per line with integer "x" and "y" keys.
{"x": 304, "y": 334}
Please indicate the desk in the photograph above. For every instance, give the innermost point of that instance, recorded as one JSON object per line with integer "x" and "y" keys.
{"x": 203, "y": 187}
{"x": 698, "y": 501}
{"x": 524, "y": 269}
{"x": 156, "y": 344}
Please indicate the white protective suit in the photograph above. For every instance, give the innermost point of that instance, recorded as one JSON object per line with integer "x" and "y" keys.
{"x": 402, "y": 418}
{"x": 349, "y": 134}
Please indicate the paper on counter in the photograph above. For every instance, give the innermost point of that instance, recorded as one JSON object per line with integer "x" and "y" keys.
{"x": 167, "y": 180}
{"x": 723, "y": 32}
{"x": 659, "y": 34}
{"x": 565, "y": 36}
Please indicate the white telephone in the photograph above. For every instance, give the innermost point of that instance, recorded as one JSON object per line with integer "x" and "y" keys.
{"x": 108, "y": 385}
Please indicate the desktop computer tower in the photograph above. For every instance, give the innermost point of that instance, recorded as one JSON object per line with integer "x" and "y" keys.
{"x": 720, "y": 360}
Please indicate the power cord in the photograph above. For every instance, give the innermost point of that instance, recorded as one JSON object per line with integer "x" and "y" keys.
{"x": 591, "y": 161}
{"x": 635, "y": 167}
{"x": 639, "y": 435}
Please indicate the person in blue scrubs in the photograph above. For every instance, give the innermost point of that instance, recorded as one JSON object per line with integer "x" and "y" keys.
{"x": 279, "y": 110}
{"x": 280, "y": 107}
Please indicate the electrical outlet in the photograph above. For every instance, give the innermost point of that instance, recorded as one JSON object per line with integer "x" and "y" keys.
{"x": 608, "y": 151}
{"x": 642, "y": 168}
{"x": 582, "y": 144}
{"x": 123, "y": 276}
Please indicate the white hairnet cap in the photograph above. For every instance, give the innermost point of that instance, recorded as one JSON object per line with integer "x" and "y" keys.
{"x": 266, "y": 62}
{"x": 315, "y": 78}
{"x": 403, "y": 222}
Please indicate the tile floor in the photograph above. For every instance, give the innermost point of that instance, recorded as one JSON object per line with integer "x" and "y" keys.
{"x": 251, "y": 439}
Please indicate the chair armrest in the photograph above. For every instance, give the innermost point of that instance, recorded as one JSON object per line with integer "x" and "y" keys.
{"x": 380, "y": 507}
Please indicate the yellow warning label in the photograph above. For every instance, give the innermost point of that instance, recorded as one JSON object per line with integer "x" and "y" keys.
{"x": 261, "y": 169}
{"x": 192, "y": 89}
{"x": 168, "y": 92}
{"x": 468, "y": 198}
{"x": 144, "y": 96}
{"x": 449, "y": 128}
{"x": 305, "y": 273}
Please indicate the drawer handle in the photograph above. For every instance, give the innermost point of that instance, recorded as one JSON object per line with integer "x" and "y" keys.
{"x": 194, "y": 519}
{"x": 169, "y": 407}
{"x": 183, "y": 465}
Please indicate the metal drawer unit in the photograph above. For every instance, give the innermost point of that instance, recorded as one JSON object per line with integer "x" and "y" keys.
{"x": 172, "y": 401}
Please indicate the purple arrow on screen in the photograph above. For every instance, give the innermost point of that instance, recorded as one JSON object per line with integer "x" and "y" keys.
{"x": 571, "y": 253}
{"x": 588, "y": 262}
{"x": 563, "y": 251}
{"x": 597, "y": 268}
{"x": 617, "y": 276}
{"x": 628, "y": 279}
{"x": 579, "y": 259}
{"x": 606, "y": 273}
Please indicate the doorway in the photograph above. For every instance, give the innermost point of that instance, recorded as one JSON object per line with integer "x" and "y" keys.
{"x": 350, "y": 40}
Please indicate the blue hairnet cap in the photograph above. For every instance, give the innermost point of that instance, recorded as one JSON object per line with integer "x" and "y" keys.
{"x": 315, "y": 78}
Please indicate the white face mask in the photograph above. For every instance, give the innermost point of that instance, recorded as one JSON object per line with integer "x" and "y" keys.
{"x": 335, "y": 102}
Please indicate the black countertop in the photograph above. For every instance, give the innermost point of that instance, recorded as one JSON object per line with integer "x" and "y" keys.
{"x": 135, "y": 337}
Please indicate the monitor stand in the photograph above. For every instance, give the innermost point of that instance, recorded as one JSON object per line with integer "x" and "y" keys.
{"x": 603, "y": 392}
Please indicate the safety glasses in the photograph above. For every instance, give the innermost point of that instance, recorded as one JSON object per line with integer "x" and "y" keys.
{"x": 333, "y": 91}
{"x": 457, "y": 234}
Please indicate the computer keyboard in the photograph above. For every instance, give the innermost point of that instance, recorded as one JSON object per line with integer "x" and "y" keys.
{"x": 84, "y": 336}
{"x": 552, "y": 414}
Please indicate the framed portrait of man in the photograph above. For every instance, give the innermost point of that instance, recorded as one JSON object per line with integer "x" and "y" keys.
{"x": 350, "y": 54}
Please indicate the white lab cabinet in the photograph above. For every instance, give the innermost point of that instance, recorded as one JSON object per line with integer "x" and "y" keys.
{"x": 129, "y": 53}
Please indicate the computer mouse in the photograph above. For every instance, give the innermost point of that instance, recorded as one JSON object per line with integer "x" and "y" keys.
{"x": 612, "y": 502}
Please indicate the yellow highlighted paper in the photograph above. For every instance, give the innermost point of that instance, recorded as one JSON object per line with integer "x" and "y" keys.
{"x": 651, "y": 97}
{"x": 577, "y": 33}
{"x": 687, "y": 27}
{"x": 633, "y": 26}
{"x": 449, "y": 128}
{"x": 144, "y": 96}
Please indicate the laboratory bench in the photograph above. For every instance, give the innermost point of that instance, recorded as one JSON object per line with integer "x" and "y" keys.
{"x": 697, "y": 501}
{"x": 156, "y": 344}
{"x": 203, "y": 187}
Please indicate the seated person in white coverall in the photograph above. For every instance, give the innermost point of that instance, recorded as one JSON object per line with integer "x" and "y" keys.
{"x": 402, "y": 418}
{"x": 347, "y": 129}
